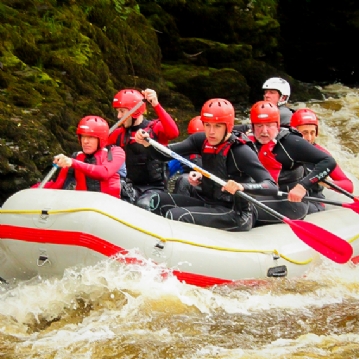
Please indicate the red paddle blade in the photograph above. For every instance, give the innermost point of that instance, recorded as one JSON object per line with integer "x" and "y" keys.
{"x": 324, "y": 242}
{"x": 354, "y": 206}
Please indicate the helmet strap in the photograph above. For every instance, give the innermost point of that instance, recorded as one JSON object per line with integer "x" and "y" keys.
{"x": 224, "y": 137}
{"x": 283, "y": 98}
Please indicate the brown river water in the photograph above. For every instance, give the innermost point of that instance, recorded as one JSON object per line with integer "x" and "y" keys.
{"x": 113, "y": 310}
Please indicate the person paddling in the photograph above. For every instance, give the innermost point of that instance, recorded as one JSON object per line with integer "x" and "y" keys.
{"x": 306, "y": 122}
{"x": 283, "y": 152}
{"x": 144, "y": 173}
{"x": 96, "y": 167}
{"x": 226, "y": 156}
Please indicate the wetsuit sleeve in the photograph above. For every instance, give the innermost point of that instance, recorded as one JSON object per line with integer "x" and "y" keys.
{"x": 166, "y": 128}
{"x": 341, "y": 180}
{"x": 104, "y": 171}
{"x": 304, "y": 152}
{"x": 338, "y": 176}
{"x": 246, "y": 160}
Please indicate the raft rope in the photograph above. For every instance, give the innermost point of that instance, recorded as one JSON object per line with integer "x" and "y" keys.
{"x": 351, "y": 240}
{"x": 162, "y": 239}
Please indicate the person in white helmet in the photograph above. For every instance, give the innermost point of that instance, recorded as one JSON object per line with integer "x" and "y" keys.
{"x": 277, "y": 91}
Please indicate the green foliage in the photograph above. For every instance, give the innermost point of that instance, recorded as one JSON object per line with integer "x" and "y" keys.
{"x": 50, "y": 21}
{"x": 122, "y": 8}
{"x": 162, "y": 2}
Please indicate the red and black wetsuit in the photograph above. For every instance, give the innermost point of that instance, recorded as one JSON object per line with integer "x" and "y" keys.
{"x": 291, "y": 152}
{"x": 338, "y": 178}
{"x": 97, "y": 172}
{"x": 144, "y": 172}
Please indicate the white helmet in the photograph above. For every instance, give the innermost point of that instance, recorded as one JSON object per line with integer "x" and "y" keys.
{"x": 281, "y": 85}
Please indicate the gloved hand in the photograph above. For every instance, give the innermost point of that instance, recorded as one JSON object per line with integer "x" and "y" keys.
{"x": 174, "y": 166}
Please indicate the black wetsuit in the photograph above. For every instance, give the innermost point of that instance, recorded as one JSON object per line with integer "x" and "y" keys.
{"x": 214, "y": 208}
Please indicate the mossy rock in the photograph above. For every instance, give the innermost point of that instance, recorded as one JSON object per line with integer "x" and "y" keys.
{"x": 203, "y": 83}
{"x": 203, "y": 52}
{"x": 166, "y": 28}
{"x": 228, "y": 22}
{"x": 5, "y": 80}
{"x": 24, "y": 95}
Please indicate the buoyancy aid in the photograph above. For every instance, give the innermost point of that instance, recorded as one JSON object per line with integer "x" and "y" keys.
{"x": 142, "y": 169}
{"x": 268, "y": 160}
{"x": 288, "y": 178}
{"x": 267, "y": 157}
{"x": 214, "y": 160}
{"x": 285, "y": 178}
{"x": 110, "y": 186}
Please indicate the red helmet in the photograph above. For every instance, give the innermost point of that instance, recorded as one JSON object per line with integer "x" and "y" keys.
{"x": 129, "y": 98}
{"x": 264, "y": 112}
{"x": 94, "y": 126}
{"x": 195, "y": 125}
{"x": 304, "y": 116}
{"x": 218, "y": 110}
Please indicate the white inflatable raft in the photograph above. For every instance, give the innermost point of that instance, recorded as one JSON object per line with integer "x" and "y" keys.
{"x": 43, "y": 232}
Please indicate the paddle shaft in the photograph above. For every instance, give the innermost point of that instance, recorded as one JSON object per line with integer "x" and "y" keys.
{"x": 126, "y": 115}
{"x": 314, "y": 199}
{"x": 214, "y": 178}
{"x": 48, "y": 176}
{"x": 339, "y": 189}
{"x": 353, "y": 206}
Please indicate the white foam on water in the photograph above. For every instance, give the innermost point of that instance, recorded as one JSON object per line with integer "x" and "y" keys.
{"x": 48, "y": 299}
{"x": 339, "y": 117}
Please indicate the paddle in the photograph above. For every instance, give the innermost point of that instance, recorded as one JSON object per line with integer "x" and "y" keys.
{"x": 126, "y": 115}
{"x": 341, "y": 190}
{"x": 48, "y": 176}
{"x": 324, "y": 242}
{"x": 353, "y": 206}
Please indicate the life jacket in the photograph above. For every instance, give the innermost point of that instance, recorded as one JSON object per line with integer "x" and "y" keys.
{"x": 195, "y": 159}
{"x": 110, "y": 186}
{"x": 288, "y": 178}
{"x": 316, "y": 190}
{"x": 214, "y": 160}
{"x": 142, "y": 169}
{"x": 267, "y": 158}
